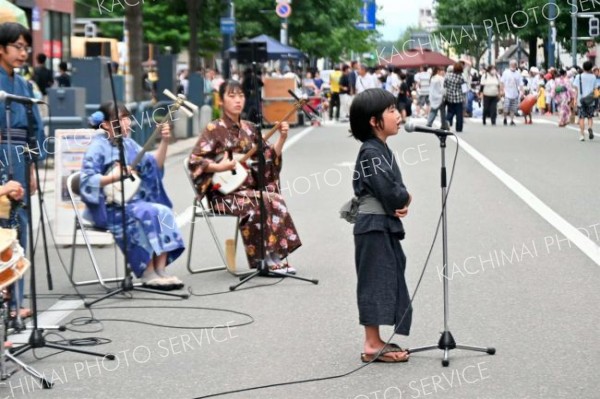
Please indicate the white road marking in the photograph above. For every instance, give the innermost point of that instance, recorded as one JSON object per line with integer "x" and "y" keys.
{"x": 297, "y": 137}
{"x": 584, "y": 243}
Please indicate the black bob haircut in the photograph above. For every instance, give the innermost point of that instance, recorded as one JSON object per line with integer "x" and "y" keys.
{"x": 108, "y": 109}
{"x": 229, "y": 86}
{"x": 11, "y": 31}
{"x": 371, "y": 103}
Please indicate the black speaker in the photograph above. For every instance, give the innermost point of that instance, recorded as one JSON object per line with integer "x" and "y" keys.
{"x": 97, "y": 49}
{"x": 249, "y": 52}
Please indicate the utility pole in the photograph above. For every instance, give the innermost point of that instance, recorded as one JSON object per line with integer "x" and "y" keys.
{"x": 552, "y": 35}
{"x": 574, "y": 33}
{"x": 227, "y": 43}
{"x": 283, "y": 34}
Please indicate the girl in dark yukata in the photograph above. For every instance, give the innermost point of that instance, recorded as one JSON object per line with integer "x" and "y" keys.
{"x": 232, "y": 134}
{"x": 382, "y": 294}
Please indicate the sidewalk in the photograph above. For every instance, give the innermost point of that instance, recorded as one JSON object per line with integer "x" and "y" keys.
{"x": 177, "y": 147}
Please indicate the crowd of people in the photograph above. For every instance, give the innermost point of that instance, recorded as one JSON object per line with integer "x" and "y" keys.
{"x": 459, "y": 90}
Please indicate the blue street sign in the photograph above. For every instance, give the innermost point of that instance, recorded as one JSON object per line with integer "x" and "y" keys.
{"x": 283, "y": 10}
{"x": 368, "y": 11}
{"x": 227, "y": 26}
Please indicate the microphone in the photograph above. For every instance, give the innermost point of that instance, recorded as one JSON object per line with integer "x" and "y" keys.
{"x": 411, "y": 127}
{"x": 4, "y": 96}
{"x": 310, "y": 116}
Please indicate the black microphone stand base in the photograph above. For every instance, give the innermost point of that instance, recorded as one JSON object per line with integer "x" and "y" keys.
{"x": 268, "y": 273}
{"x": 127, "y": 286}
{"x": 447, "y": 343}
{"x": 37, "y": 341}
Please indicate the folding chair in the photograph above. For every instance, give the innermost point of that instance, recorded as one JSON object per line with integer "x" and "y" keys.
{"x": 200, "y": 209}
{"x": 84, "y": 225}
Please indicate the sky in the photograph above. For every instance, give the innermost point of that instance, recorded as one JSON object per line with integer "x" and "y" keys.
{"x": 398, "y": 15}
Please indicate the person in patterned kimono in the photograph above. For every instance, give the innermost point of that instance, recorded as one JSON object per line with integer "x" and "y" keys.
{"x": 231, "y": 134}
{"x": 153, "y": 238}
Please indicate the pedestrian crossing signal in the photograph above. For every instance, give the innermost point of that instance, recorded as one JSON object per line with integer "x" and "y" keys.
{"x": 594, "y": 27}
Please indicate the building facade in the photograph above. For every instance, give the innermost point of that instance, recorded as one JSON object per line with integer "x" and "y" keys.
{"x": 51, "y": 24}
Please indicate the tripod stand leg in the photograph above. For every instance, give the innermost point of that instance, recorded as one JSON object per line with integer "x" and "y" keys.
{"x": 244, "y": 280}
{"x": 109, "y": 356}
{"x": 489, "y": 351}
{"x": 422, "y": 349}
{"x": 30, "y": 370}
{"x": 103, "y": 297}
{"x": 153, "y": 291}
{"x": 127, "y": 285}
{"x": 287, "y": 275}
{"x": 446, "y": 359}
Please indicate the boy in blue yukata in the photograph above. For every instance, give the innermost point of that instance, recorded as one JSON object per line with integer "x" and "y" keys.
{"x": 15, "y": 41}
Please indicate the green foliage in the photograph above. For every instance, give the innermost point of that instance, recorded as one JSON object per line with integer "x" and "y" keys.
{"x": 320, "y": 28}
{"x": 527, "y": 19}
{"x": 165, "y": 22}
{"x": 469, "y": 13}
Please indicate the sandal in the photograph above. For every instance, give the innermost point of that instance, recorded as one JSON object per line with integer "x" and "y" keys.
{"x": 158, "y": 283}
{"x": 379, "y": 357}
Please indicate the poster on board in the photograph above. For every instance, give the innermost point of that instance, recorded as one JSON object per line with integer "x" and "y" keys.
{"x": 70, "y": 147}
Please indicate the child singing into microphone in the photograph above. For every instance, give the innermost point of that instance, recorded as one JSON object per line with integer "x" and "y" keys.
{"x": 383, "y": 297}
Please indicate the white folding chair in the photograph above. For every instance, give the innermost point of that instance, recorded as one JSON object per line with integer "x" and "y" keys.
{"x": 83, "y": 226}
{"x": 200, "y": 209}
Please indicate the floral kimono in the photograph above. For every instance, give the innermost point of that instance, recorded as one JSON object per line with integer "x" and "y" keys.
{"x": 280, "y": 234}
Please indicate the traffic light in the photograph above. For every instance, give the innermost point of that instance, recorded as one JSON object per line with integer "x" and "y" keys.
{"x": 594, "y": 27}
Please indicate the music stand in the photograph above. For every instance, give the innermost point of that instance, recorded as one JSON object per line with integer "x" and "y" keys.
{"x": 447, "y": 342}
{"x": 257, "y": 51}
{"x": 36, "y": 339}
{"x": 127, "y": 283}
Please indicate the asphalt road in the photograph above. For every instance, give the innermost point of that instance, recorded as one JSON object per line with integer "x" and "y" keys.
{"x": 515, "y": 283}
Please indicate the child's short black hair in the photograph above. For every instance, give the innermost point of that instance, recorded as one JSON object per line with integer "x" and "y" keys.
{"x": 366, "y": 105}
{"x": 229, "y": 86}
{"x": 11, "y": 31}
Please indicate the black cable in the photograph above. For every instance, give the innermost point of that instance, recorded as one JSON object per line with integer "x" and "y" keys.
{"x": 436, "y": 234}
{"x": 190, "y": 289}
{"x": 81, "y": 321}
{"x": 89, "y": 341}
{"x": 241, "y": 324}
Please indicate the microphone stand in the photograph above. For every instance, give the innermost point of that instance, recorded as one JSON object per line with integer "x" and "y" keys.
{"x": 37, "y": 339}
{"x": 33, "y": 148}
{"x": 32, "y": 151}
{"x": 127, "y": 283}
{"x": 447, "y": 342}
{"x": 262, "y": 267}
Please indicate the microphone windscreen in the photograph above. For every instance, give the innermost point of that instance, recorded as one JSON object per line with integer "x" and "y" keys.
{"x": 409, "y": 127}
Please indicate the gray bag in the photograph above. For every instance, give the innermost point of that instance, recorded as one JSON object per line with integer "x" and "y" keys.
{"x": 349, "y": 210}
